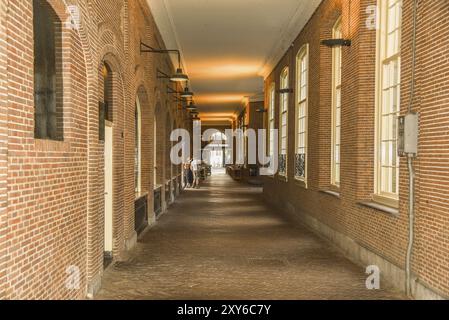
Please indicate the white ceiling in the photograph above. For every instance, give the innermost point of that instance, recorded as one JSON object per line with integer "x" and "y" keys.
{"x": 228, "y": 46}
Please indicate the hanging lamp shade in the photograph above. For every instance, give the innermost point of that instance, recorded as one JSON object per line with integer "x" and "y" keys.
{"x": 191, "y": 107}
{"x": 179, "y": 76}
{"x": 187, "y": 94}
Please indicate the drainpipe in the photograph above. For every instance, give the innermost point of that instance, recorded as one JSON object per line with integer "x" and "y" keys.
{"x": 411, "y": 170}
{"x": 411, "y": 224}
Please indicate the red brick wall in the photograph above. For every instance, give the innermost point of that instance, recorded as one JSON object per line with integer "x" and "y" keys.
{"x": 382, "y": 233}
{"x": 3, "y": 149}
{"x": 54, "y": 214}
{"x": 431, "y": 260}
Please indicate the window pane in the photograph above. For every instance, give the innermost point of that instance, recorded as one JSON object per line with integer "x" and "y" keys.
{"x": 48, "y": 111}
{"x": 336, "y": 105}
{"x": 389, "y": 99}
{"x": 301, "y": 113}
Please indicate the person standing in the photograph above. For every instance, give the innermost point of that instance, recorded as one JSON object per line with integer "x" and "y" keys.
{"x": 187, "y": 173}
{"x": 195, "y": 165}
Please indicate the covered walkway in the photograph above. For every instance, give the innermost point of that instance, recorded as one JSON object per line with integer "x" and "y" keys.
{"x": 223, "y": 242}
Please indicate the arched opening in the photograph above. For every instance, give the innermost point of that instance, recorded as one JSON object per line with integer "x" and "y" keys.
{"x": 106, "y": 134}
{"x": 48, "y": 112}
{"x": 217, "y": 153}
{"x": 169, "y": 196}
{"x": 158, "y": 161}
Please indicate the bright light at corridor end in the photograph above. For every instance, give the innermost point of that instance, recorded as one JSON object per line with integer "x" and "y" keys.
{"x": 223, "y": 69}
{"x": 220, "y": 98}
{"x": 247, "y": 147}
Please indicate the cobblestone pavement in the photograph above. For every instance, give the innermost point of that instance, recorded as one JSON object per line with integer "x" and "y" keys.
{"x": 222, "y": 242}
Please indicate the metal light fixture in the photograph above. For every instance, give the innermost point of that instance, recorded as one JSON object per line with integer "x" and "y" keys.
{"x": 184, "y": 96}
{"x": 179, "y": 76}
{"x": 285, "y": 90}
{"x": 187, "y": 94}
{"x": 336, "y": 43}
{"x": 191, "y": 107}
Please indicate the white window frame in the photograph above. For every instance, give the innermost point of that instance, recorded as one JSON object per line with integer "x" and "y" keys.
{"x": 387, "y": 184}
{"x": 155, "y": 173}
{"x": 138, "y": 186}
{"x": 284, "y": 83}
{"x": 302, "y": 101}
{"x": 336, "y": 106}
{"x": 271, "y": 118}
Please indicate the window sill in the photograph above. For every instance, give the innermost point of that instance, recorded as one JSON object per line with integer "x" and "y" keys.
{"x": 334, "y": 194}
{"x": 380, "y": 207}
{"x": 386, "y": 201}
{"x": 139, "y": 195}
{"x": 301, "y": 183}
{"x": 282, "y": 178}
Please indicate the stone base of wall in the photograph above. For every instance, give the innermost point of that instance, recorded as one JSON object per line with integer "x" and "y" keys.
{"x": 422, "y": 292}
{"x": 94, "y": 286}
{"x": 358, "y": 254}
{"x": 131, "y": 242}
{"x": 152, "y": 219}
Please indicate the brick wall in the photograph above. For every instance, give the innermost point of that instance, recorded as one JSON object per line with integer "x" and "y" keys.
{"x": 381, "y": 233}
{"x": 52, "y": 208}
{"x": 3, "y": 149}
{"x": 431, "y": 261}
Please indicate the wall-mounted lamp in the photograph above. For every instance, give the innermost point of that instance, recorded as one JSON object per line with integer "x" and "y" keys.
{"x": 336, "y": 43}
{"x": 179, "y": 76}
{"x": 191, "y": 107}
{"x": 287, "y": 90}
{"x": 184, "y": 96}
{"x": 187, "y": 94}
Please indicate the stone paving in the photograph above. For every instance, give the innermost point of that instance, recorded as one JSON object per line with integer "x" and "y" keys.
{"x": 223, "y": 242}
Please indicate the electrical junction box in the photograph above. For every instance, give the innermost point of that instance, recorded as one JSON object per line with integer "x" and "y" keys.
{"x": 408, "y": 127}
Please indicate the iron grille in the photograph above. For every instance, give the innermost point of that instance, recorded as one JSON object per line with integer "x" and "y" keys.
{"x": 300, "y": 166}
{"x": 282, "y": 163}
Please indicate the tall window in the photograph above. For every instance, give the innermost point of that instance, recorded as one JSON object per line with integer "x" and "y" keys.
{"x": 48, "y": 104}
{"x": 137, "y": 147}
{"x": 271, "y": 123}
{"x": 336, "y": 106}
{"x": 302, "y": 67}
{"x": 388, "y": 103}
{"x": 155, "y": 149}
{"x": 283, "y": 112}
